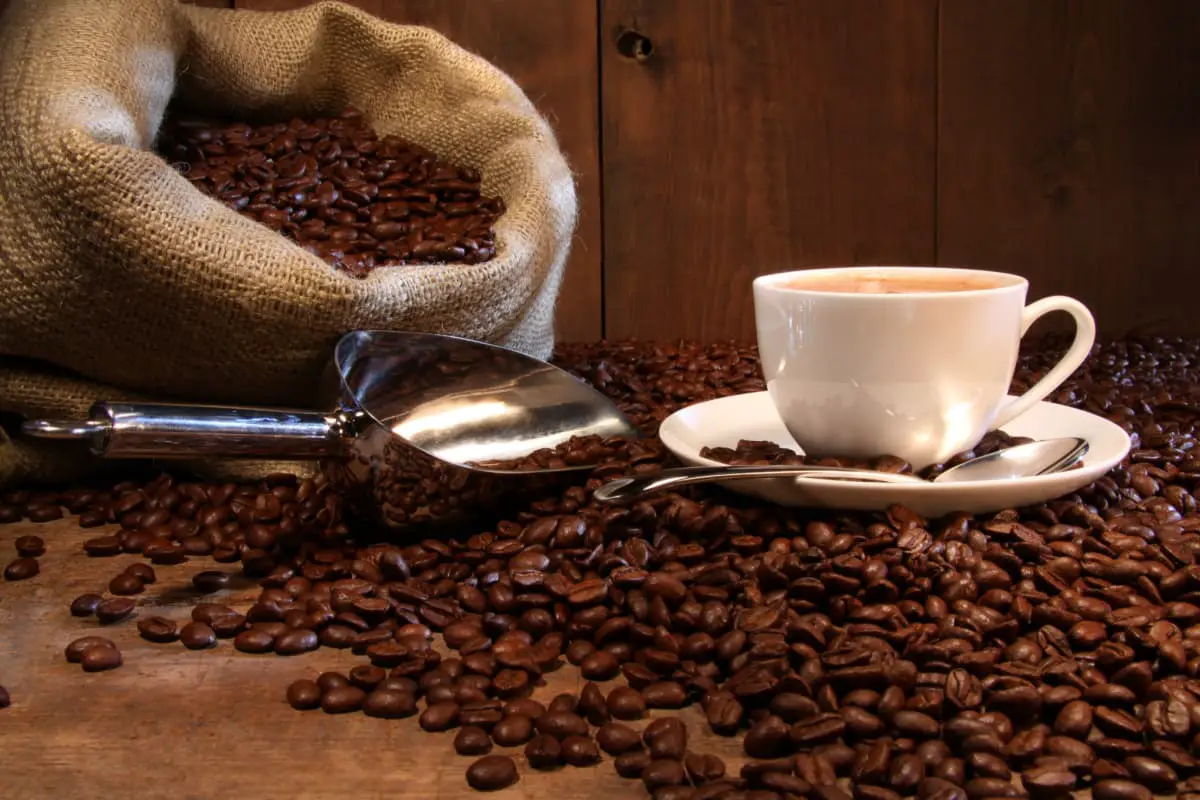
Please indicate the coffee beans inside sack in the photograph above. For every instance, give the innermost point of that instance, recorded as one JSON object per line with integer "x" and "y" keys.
{"x": 215, "y": 253}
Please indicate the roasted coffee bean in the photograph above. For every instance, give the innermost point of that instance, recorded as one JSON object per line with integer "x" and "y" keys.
{"x": 114, "y": 609}
{"x": 342, "y": 699}
{"x": 145, "y": 572}
{"x": 85, "y": 605}
{"x": 580, "y": 751}
{"x": 100, "y": 659}
{"x": 664, "y": 694}
{"x": 599, "y": 665}
{"x": 158, "y": 629}
{"x": 304, "y": 695}
{"x": 1117, "y": 789}
{"x": 491, "y": 773}
{"x": 630, "y": 765}
{"x": 666, "y": 737}
{"x": 5, "y": 699}
{"x": 295, "y": 642}
{"x": 543, "y": 752}
{"x": 703, "y": 768}
{"x": 21, "y": 569}
{"x": 102, "y": 546}
{"x": 440, "y": 716}
{"x": 662, "y": 772}
{"x": 561, "y": 724}
{"x": 616, "y": 738}
{"x": 388, "y": 703}
{"x": 626, "y": 703}
{"x": 75, "y": 650}
{"x": 210, "y": 580}
{"x": 767, "y": 738}
{"x": 197, "y": 636}
{"x": 513, "y": 730}
{"x": 30, "y": 546}
{"x": 472, "y": 741}
{"x": 228, "y": 626}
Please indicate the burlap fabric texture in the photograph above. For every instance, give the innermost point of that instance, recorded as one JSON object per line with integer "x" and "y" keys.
{"x": 118, "y": 280}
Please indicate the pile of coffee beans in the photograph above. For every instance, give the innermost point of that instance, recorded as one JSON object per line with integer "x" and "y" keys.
{"x": 1034, "y": 652}
{"x": 332, "y": 185}
{"x": 748, "y": 452}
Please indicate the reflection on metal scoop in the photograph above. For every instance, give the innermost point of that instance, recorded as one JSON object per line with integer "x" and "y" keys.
{"x": 413, "y": 419}
{"x": 1019, "y": 461}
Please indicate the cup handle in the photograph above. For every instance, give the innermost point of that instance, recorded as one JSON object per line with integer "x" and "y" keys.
{"x": 1085, "y": 337}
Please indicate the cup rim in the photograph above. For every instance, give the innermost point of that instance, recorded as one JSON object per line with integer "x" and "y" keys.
{"x": 773, "y": 280}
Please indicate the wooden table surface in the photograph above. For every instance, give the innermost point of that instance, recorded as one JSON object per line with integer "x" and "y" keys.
{"x": 214, "y": 724}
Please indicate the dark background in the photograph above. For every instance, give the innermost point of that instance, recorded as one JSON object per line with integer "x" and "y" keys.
{"x": 1059, "y": 139}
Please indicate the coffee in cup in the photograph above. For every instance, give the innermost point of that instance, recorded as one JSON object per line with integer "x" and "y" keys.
{"x": 913, "y": 362}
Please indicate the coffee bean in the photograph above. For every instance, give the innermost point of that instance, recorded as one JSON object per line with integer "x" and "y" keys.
{"x": 616, "y": 738}
{"x": 228, "y": 626}
{"x": 491, "y": 773}
{"x": 1155, "y": 774}
{"x": 662, "y": 772}
{"x": 100, "y": 659}
{"x": 664, "y": 694}
{"x": 600, "y": 665}
{"x": 1075, "y": 719}
{"x": 630, "y": 765}
{"x": 114, "y": 609}
{"x": 666, "y": 737}
{"x": 254, "y": 640}
{"x": 30, "y": 546}
{"x": 85, "y": 605}
{"x": 21, "y": 569}
{"x": 1116, "y": 789}
{"x": 342, "y": 699}
{"x": 472, "y": 741}
{"x": 768, "y": 738}
{"x": 440, "y": 716}
{"x": 295, "y": 642}
{"x": 543, "y": 752}
{"x": 197, "y": 636}
{"x": 304, "y": 695}
{"x": 210, "y": 580}
{"x": 703, "y": 768}
{"x": 157, "y": 629}
{"x": 5, "y": 699}
{"x": 387, "y": 703}
{"x": 143, "y": 572}
{"x": 75, "y": 650}
{"x": 561, "y": 724}
{"x": 526, "y": 707}
{"x": 819, "y": 729}
{"x": 580, "y": 751}
{"x": 724, "y": 713}
{"x": 513, "y": 730}
{"x": 45, "y": 513}
{"x": 102, "y": 546}
{"x": 626, "y": 703}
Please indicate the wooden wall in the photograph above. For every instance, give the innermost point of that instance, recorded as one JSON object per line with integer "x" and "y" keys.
{"x": 719, "y": 139}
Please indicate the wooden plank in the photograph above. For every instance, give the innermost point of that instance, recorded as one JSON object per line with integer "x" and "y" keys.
{"x": 549, "y": 48}
{"x": 1067, "y": 151}
{"x": 759, "y": 136}
{"x": 175, "y": 723}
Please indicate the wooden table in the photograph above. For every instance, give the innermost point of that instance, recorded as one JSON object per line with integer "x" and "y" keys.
{"x": 214, "y": 724}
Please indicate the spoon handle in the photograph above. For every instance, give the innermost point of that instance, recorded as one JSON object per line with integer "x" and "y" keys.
{"x": 626, "y": 488}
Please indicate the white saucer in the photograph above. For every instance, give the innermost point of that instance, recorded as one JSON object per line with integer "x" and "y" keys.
{"x": 722, "y": 422}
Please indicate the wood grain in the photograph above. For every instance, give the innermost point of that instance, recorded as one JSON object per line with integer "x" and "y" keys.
{"x": 1068, "y": 138}
{"x": 759, "y": 136}
{"x": 173, "y": 723}
{"x": 549, "y": 48}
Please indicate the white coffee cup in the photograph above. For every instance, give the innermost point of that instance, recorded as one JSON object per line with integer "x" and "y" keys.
{"x": 913, "y": 362}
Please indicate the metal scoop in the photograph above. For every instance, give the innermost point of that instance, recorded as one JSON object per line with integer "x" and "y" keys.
{"x": 1019, "y": 461}
{"x": 420, "y": 425}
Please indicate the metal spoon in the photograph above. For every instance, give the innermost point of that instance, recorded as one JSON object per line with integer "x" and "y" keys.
{"x": 1020, "y": 461}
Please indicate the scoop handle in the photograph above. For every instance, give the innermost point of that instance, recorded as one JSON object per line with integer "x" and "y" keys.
{"x": 168, "y": 430}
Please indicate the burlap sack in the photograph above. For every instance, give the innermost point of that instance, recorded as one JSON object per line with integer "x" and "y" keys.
{"x": 119, "y": 280}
